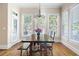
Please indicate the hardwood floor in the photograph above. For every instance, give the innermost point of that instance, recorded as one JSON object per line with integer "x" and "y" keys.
{"x": 59, "y": 50}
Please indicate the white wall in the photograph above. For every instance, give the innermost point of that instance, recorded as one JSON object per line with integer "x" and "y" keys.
{"x": 3, "y": 25}
{"x": 74, "y": 46}
{"x": 6, "y": 38}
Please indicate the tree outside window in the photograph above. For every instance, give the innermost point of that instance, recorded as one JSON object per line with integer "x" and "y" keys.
{"x": 40, "y": 23}
{"x": 27, "y": 24}
{"x": 52, "y": 23}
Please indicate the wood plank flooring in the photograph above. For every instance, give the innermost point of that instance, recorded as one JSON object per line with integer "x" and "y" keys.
{"x": 59, "y": 50}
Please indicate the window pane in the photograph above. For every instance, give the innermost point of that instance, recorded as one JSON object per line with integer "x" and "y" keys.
{"x": 53, "y": 23}
{"x": 40, "y": 23}
{"x": 75, "y": 23}
{"x": 27, "y": 24}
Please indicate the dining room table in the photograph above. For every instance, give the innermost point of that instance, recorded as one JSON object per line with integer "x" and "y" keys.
{"x": 34, "y": 42}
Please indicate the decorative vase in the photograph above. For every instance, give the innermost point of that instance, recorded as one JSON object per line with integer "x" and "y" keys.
{"x": 38, "y": 36}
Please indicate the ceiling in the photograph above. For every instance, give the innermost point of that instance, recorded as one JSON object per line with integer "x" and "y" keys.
{"x": 35, "y": 5}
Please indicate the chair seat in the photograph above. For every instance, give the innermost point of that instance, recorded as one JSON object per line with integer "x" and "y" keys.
{"x": 45, "y": 46}
{"x": 25, "y": 46}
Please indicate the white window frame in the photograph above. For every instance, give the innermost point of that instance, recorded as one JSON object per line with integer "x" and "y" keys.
{"x": 71, "y": 11}
{"x": 22, "y": 25}
{"x": 63, "y": 18}
{"x": 58, "y": 22}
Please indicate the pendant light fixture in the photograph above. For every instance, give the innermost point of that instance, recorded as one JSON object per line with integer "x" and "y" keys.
{"x": 39, "y": 11}
{"x": 39, "y": 14}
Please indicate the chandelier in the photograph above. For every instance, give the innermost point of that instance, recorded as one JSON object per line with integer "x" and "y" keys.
{"x": 39, "y": 14}
{"x": 39, "y": 11}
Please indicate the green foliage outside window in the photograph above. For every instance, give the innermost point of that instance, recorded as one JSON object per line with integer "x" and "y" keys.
{"x": 75, "y": 26}
{"x": 52, "y": 23}
{"x": 40, "y": 22}
{"x": 27, "y": 24}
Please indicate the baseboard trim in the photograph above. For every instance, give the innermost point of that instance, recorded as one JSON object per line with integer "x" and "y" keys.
{"x": 71, "y": 48}
{"x": 3, "y": 47}
{"x": 11, "y": 44}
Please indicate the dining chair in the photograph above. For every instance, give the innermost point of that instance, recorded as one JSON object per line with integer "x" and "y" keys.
{"x": 25, "y": 46}
{"x": 44, "y": 47}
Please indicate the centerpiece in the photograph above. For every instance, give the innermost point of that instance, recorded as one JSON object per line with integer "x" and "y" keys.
{"x": 38, "y": 31}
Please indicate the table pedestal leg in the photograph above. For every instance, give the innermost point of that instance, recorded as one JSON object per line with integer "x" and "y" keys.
{"x": 30, "y": 49}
